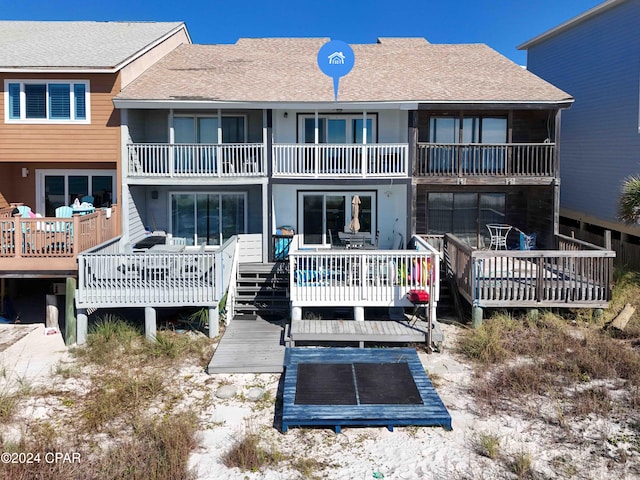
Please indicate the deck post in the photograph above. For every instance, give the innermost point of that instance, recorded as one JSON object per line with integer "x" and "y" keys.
{"x": 150, "y": 323}
{"x": 476, "y": 317}
{"x": 70, "y": 314}
{"x": 296, "y": 313}
{"x": 82, "y": 326}
{"x": 214, "y": 323}
{"x": 358, "y": 314}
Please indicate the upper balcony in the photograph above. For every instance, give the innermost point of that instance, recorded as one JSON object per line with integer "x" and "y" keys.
{"x": 151, "y": 160}
{"x": 458, "y": 162}
{"x": 340, "y": 160}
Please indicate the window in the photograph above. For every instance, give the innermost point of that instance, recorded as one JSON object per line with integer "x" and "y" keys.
{"x": 204, "y": 129}
{"x": 465, "y": 214}
{"x": 473, "y": 159}
{"x": 324, "y": 211}
{"x": 340, "y": 129}
{"x": 54, "y": 101}
{"x": 210, "y": 218}
{"x": 474, "y": 130}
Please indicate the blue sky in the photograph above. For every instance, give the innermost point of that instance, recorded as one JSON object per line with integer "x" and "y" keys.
{"x": 502, "y": 24}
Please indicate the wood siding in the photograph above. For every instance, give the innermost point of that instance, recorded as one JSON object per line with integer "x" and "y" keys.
{"x": 596, "y": 61}
{"x": 98, "y": 141}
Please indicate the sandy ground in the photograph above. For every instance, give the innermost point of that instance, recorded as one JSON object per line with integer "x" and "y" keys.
{"x": 580, "y": 450}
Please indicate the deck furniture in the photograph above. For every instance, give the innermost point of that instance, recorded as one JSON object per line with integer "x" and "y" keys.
{"x": 498, "y": 233}
{"x": 64, "y": 212}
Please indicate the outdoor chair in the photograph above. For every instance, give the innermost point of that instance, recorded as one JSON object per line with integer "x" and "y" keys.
{"x": 498, "y": 233}
{"x": 64, "y": 212}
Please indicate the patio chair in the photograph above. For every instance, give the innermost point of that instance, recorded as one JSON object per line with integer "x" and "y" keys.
{"x": 87, "y": 199}
{"x": 64, "y": 212}
{"x": 498, "y": 233}
{"x": 25, "y": 211}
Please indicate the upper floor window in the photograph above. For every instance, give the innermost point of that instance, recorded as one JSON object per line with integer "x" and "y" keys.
{"x": 338, "y": 129}
{"x": 35, "y": 101}
{"x": 474, "y": 129}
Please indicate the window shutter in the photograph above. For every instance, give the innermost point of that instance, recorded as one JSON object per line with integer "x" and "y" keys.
{"x": 14, "y": 100}
{"x": 79, "y": 90}
{"x": 35, "y": 104}
{"x": 59, "y": 103}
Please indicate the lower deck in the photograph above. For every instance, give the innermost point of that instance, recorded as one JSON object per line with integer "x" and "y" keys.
{"x": 374, "y": 331}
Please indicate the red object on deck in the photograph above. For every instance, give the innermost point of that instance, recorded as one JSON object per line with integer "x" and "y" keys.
{"x": 418, "y": 296}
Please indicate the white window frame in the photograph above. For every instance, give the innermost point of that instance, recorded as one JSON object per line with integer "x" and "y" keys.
{"x": 349, "y": 194}
{"x": 40, "y": 174}
{"x": 23, "y": 105}
{"x": 349, "y": 118}
{"x": 245, "y": 199}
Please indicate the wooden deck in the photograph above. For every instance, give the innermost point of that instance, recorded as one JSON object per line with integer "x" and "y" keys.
{"x": 379, "y": 331}
{"x": 372, "y": 401}
{"x": 29, "y": 246}
{"x": 249, "y": 346}
{"x": 576, "y": 275}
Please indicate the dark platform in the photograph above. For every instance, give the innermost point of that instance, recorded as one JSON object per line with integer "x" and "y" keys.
{"x": 353, "y": 386}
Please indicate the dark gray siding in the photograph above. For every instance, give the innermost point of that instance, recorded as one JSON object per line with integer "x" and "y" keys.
{"x": 598, "y": 63}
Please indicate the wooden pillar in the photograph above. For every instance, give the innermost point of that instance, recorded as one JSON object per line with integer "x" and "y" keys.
{"x": 83, "y": 326}
{"x": 214, "y": 323}
{"x": 358, "y": 314}
{"x": 52, "y": 313}
{"x": 476, "y": 317}
{"x": 150, "y": 323}
{"x": 70, "y": 314}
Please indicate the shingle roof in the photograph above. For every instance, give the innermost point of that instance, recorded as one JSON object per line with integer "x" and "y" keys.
{"x": 392, "y": 70}
{"x": 76, "y": 45}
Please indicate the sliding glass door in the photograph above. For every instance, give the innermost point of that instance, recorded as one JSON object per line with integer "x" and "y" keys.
{"x": 208, "y": 218}
{"x": 323, "y": 214}
{"x": 55, "y": 188}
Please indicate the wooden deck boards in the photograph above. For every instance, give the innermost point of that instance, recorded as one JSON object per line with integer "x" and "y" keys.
{"x": 355, "y": 331}
{"x": 249, "y": 346}
{"x": 431, "y": 412}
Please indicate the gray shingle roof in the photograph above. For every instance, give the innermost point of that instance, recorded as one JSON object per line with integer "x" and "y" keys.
{"x": 75, "y": 45}
{"x": 285, "y": 70}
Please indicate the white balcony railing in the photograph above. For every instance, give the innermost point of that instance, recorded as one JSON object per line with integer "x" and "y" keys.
{"x": 354, "y": 277}
{"x": 340, "y": 160}
{"x": 196, "y": 160}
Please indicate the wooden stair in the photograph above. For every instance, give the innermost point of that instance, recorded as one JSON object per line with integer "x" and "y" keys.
{"x": 262, "y": 290}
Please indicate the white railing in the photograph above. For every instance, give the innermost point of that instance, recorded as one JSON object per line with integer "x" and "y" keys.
{"x": 331, "y": 160}
{"x": 155, "y": 279}
{"x": 196, "y": 160}
{"x": 496, "y": 160}
{"x": 360, "y": 277}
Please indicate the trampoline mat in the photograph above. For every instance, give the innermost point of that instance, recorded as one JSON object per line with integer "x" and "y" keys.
{"x": 377, "y": 384}
{"x": 325, "y": 384}
{"x": 387, "y": 384}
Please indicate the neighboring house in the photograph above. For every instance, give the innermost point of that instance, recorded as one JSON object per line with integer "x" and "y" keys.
{"x": 595, "y": 57}
{"x": 60, "y": 133}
